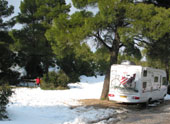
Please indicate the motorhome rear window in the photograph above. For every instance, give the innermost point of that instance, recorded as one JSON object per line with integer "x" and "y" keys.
{"x": 155, "y": 79}
{"x": 145, "y": 73}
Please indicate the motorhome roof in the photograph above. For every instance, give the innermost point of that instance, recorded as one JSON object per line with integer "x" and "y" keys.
{"x": 126, "y": 62}
{"x": 138, "y": 66}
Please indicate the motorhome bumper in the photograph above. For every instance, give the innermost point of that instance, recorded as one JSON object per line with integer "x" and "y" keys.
{"x": 125, "y": 98}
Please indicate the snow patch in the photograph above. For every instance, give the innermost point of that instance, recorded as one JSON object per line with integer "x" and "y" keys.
{"x": 36, "y": 106}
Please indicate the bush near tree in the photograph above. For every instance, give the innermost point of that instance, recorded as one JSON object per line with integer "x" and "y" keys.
{"x": 54, "y": 80}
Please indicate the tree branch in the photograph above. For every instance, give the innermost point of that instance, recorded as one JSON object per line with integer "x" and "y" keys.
{"x": 121, "y": 45}
{"x": 101, "y": 40}
{"x": 143, "y": 41}
{"x": 126, "y": 24}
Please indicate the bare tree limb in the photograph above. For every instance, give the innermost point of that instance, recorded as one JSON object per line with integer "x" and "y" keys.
{"x": 121, "y": 45}
{"x": 97, "y": 35}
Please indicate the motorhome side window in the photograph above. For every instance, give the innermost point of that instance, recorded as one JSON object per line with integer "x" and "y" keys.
{"x": 144, "y": 85}
{"x": 145, "y": 73}
{"x": 165, "y": 82}
{"x": 156, "y": 79}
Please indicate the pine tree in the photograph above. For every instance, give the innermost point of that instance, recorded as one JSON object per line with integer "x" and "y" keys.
{"x": 108, "y": 28}
{"x": 34, "y": 50}
{"x": 159, "y": 3}
{"x": 73, "y": 55}
{"x": 123, "y": 24}
{"x": 159, "y": 48}
{"x": 7, "y": 57}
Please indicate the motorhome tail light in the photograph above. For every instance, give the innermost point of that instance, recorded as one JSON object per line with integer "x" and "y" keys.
{"x": 136, "y": 97}
{"x": 111, "y": 95}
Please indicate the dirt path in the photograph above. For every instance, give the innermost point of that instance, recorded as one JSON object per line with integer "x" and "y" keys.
{"x": 152, "y": 115}
{"x": 100, "y": 103}
{"x": 134, "y": 114}
{"x": 146, "y": 117}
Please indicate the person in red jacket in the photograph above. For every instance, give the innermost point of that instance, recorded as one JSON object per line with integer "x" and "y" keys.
{"x": 37, "y": 81}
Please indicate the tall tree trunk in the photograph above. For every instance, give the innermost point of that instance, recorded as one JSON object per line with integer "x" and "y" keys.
{"x": 113, "y": 60}
{"x": 114, "y": 50}
{"x": 167, "y": 72}
{"x": 105, "y": 90}
{"x": 167, "y": 69}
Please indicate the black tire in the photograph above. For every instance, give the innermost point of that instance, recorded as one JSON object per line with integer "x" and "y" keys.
{"x": 148, "y": 102}
{"x": 162, "y": 100}
{"x": 145, "y": 104}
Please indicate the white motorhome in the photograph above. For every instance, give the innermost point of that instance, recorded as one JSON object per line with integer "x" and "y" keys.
{"x": 136, "y": 84}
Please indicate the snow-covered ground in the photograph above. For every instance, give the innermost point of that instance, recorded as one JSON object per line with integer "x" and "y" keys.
{"x": 36, "y": 106}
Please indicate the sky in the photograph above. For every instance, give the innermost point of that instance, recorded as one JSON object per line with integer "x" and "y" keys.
{"x": 16, "y": 4}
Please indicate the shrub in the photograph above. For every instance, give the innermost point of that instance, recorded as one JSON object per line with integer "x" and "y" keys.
{"x": 54, "y": 80}
{"x": 5, "y": 92}
{"x": 11, "y": 77}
